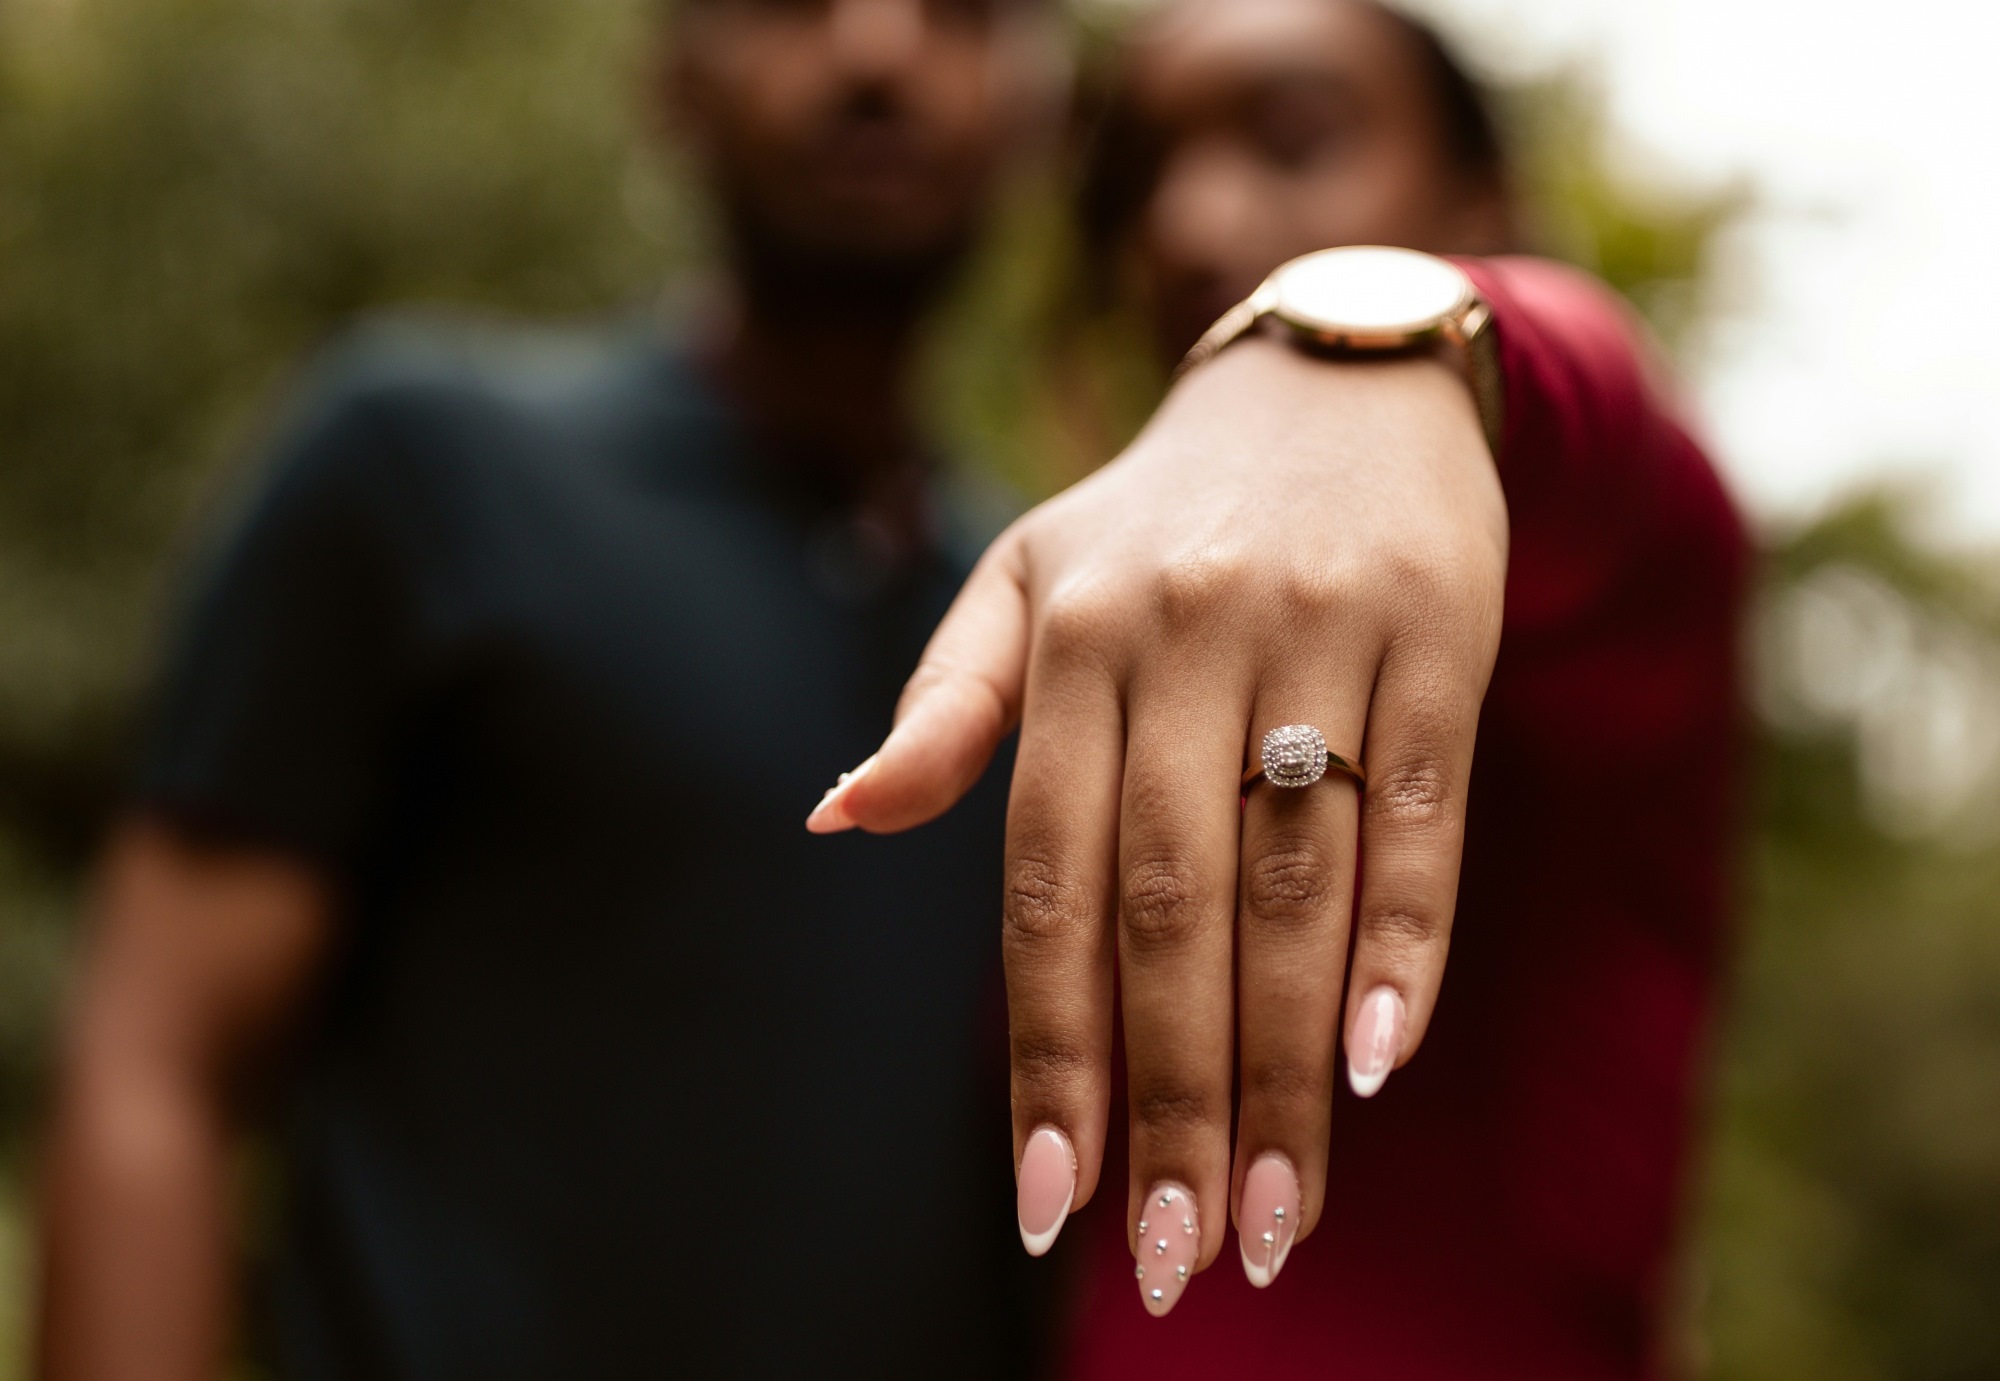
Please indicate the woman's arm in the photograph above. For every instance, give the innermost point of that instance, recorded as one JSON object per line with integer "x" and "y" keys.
{"x": 1292, "y": 540}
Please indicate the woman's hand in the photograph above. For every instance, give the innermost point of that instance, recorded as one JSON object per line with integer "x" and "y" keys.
{"x": 1290, "y": 541}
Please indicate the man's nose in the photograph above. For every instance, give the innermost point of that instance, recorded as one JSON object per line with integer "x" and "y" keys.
{"x": 877, "y": 38}
{"x": 1203, "y": 220}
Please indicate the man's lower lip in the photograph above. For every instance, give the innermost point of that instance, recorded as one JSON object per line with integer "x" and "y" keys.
{"x": 870, "y": 180}
{"x": 872, "y": 162}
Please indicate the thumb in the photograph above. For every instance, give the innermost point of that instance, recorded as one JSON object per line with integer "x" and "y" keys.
{"x": 964, "y": 697}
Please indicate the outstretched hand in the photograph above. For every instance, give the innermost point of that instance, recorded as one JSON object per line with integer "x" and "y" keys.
{"x": 1290, "y": 541}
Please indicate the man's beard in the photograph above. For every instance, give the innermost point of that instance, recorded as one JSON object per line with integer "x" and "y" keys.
{"x": 789, "y": 273}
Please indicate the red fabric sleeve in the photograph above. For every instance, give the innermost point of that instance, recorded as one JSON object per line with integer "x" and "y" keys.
{"x": 1628, "y": 557}
{"x": 1601, "y": 836}
{"x": 1506, "y": 1206}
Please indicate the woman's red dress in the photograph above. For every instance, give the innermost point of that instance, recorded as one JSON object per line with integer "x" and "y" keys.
{"x": 1507, "y": 1206}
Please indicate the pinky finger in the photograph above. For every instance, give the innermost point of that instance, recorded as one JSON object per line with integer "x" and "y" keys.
{"x": 1412, "y": 838}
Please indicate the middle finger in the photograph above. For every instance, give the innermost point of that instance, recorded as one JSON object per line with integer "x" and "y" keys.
{"x": 1178, "y": 841}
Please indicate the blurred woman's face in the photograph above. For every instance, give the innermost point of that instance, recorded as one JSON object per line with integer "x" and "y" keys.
{"x": 1285, "y": 126}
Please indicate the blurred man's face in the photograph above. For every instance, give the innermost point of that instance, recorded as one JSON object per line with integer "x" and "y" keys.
{"x": 862, "y": 137}
{"x": 1286, "y": 126}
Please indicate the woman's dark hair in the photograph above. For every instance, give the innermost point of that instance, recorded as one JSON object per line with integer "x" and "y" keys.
{"x": 1121, "y": 157}
{"x": 1471, "y": 130}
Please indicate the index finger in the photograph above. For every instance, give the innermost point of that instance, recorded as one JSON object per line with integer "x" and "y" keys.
{"x": 1057, "y": 934}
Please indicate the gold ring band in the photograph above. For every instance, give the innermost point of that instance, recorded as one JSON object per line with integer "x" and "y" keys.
{"x": 1334, "y": 763}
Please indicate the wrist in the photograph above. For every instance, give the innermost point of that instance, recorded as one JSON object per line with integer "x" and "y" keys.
{"x": 1370, "y": 302}
{"x": 1268, "y": 392}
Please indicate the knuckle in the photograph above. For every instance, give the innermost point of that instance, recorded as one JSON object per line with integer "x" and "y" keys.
{"x": 1287, "y": 886}
{"x": 1160, "y": 902}
{"x": 1075, "y": 627}
{"x": 1424, "y": 568}
{"x": 1312, "y": 595}
{"x": 1415, "y": 795}
{"x": 1171, "y": 1107}
{"x": 1403, "y": 929}
{"x": 1188, "y": 590}
{"x": 929, "y": 675}
{"x": 1050, "y": 1065}
{"x": 1011, "y": 548}
{"x": 1041, "y": 903}
{"x": 1283, "y": 1083}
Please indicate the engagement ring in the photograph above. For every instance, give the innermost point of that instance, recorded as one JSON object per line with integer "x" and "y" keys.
{"x": 1296, "y": 756}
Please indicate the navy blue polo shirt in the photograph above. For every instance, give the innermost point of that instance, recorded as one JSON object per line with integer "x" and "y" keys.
{"x": 617, "y": 1071}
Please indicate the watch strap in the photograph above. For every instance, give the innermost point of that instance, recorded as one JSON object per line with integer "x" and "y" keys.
{"x": 1489, "y": 384}
{"x": 1473, "y": 332}
{"x": 1228, "y": 328}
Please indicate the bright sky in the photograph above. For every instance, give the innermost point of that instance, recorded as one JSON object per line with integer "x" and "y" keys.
{"x": 1869, "y": 342}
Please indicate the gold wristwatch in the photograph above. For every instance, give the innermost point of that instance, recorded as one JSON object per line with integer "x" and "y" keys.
{"x": 1372, "y": 300}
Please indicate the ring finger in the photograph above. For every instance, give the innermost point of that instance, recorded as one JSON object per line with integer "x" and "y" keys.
{"x": 1294, "y": 904}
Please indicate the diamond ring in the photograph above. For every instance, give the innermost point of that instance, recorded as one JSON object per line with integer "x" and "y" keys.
{"x": 1296, "y": 756}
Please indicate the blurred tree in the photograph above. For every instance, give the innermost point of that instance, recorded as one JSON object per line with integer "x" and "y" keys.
{"x": 195, "y": 192}
{"x": 1596, "y": 205}
{"x": 1851, "y": 1227}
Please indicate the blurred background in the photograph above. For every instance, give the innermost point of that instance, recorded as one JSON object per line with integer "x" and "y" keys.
{"x": 193, "y": 193}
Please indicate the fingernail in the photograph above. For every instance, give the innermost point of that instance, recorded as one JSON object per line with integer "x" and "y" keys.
{"x": 1047, "y": 1188}
{"x": 1377, "y": 1040}
{"x": 1269, "y": 1219}
{"x": 1168, "y": 1245}
{"x": 830, "y": 815}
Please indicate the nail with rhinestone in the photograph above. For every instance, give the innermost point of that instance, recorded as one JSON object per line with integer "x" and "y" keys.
{"x": 1178, "y": 1251}
{"x": 1268, "y": 1220}
{"x": 830, "y": 816}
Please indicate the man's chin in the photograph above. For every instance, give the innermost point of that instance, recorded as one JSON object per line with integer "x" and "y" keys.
{"x": 852, "y": 253}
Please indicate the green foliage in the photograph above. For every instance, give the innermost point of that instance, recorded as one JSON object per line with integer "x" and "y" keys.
{"x": 1852, "y": 1227}
{"x": 1592, "y": 203}
{"x": 194, "y": 192}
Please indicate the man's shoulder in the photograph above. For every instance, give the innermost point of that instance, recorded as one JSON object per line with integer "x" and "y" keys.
{"x": 434, "y": 369}
{"x": 416, "y": 403}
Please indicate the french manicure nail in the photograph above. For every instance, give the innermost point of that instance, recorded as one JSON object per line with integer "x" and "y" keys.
{"x": 830, "y": 815}
{"x": 1269, "y": 1219}
{"x": 1047, "y": 1188}
{"x": 1167, "y": 1247}
{"x": 1377, "y": 1040}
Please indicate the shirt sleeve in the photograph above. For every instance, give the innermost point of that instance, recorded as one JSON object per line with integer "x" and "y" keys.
{"x": 275, "y": 716}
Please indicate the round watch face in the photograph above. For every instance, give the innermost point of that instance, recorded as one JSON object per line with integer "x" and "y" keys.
{"x": 1369, "y": 294}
